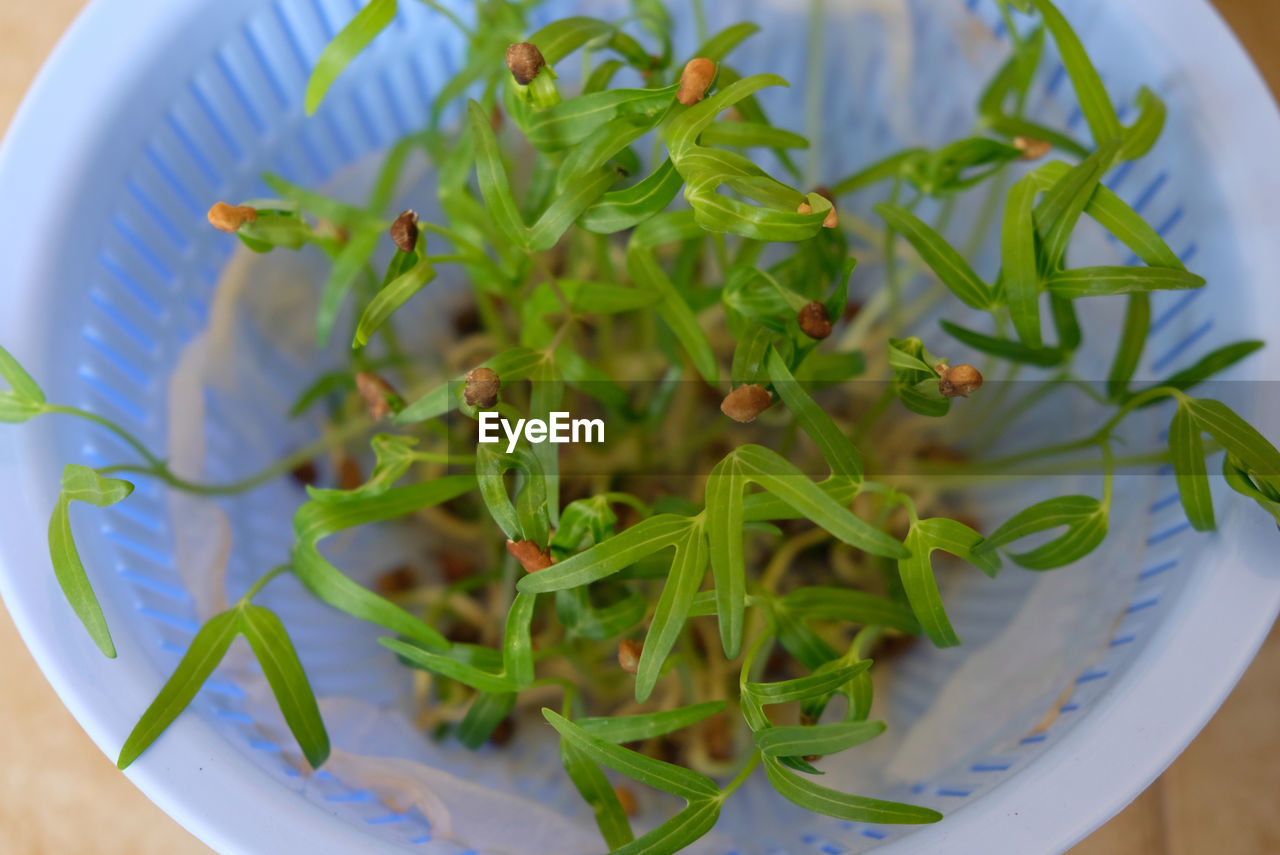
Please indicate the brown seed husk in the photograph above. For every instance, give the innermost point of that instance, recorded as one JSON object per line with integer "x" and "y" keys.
{"x": 815, "y": 320}
{"x": 397, "y": 580}
{"x": 305, "y": 473}
{"x": 377, "y": 393}
{"x": 481, "y": 389}
{"x": 629, "y": 655}
{"x": 525, "y": 61}
{"x": 229, "y": 218}
{"x": 1032, "y": 149}
{"x": 349, "y": 474}
{"x": 531, "y": 558}
{"x": 746, "y": 402}
{"x": 958, "y": 381}
{"x": 627, "y": 800}
{"x": 695, "y": 80}
{"x": 404, "y": 231}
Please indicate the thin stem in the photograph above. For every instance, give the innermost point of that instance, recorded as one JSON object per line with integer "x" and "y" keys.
{"x": 742, "y": 776}
{"x": 129, "y": 438}
{"x": 262, "y": 582}
{"x": 814, "y": 79}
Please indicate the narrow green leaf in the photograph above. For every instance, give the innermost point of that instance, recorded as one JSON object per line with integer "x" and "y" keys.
{"x": 804, "y": 688}
{"x": 279, "y": 660}
{"x": 346, "y": 268}
{"x": 648, "y": 274}
{"x": 636, "y": 728}
{"x": 1059, "y": 211}
{"x": 821, "y": 739}
{"x": 1011, "y": 350}
{"x": 483, "y": 717}
{"x": 1094, "y": 101}
{"x": 668, "y": 777}
{"x": 392, "y": 297}
{"x": 724, "y": 491}
{"x": 678, "y": 832}
{"x": 672, "y": 611}
{"x": 1019, "y": 271}
{"x": 828, "y": 603}
{"x": 450, "y": 664}
{"x": 202, "y": 656}
{"x": 1133, "y": 339}
{"x": 1210, "y": 364}
{"x": 24, "y": 388}
{"x": 82, "y": 484}
{"x": 1106, "y": 281}
{"x": 942, "y": 258}
{"x": 837, "y": 449}
{"x": 1187, "y": 448}
{"x": 352, "y": 39}
{"x": 1235, "y": 435}
{"x": 596, "y": 790}
{"x": 612, "y": 556}
{"x": 1084, "y": 517}
{"x": 780, "y": 477}
{"x": 623, "y": 209}
{"x": 824, "y": 800}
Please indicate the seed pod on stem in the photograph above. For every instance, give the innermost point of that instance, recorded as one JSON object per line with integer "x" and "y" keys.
{"x": 695, "y": 80}
{"x": 629, "y": 655}
{"x": 1032, "y": 149}
{"x": 531, "y": 558}
{"x": 229, "y": 218}
{"x": 380, "y": 397}
{"x": 524, "y": 61}
{"x": 404, "y": 231}
{"x": 958, "y": 381}
{"x": 815, "y": 320}
{"x": 746, "y": 402}
{"x": 481, "y": 389}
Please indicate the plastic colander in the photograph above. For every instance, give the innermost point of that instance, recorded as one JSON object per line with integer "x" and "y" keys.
{"x": 150, "y": 110}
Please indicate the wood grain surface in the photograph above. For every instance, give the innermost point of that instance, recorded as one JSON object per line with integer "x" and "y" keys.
{"x": 59, "y": 794}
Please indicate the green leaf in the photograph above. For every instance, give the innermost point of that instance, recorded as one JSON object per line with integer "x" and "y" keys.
{"x": 821, "y": 739}
{"x": 279, "y": 660}
{"x": 636, "y": 728}
{"x": 1011, "y": 350}
{"x": 751, "y": 135}
{"x": 1019, "y": 272}
{"x": 1210, "y": 364}
{"x": 668, "y": 777}
{"x": 916, "y": 572}
{"x": 828, "y": 603}
{"x": 777, "y": 475}
{"x": 1059, "y": 211}
{"x": 648, "y": 274}
{"x": 347, "y": 267}
{"x": 1236, "y": 435}
{"x": 1084, "y": 516}
{"x": 942, "y": 258}
{"x": 204, "y": 654}
{"x": 1107, "y": 281}
{"x": 678, "y": 832}
{"x": 82, "y": 484}
{"x": 824, "y": 800}
{"x": 623, "y": 209}
{"x": 1133, "y": 339}
{"x": 612, "y": 556}
{"x": 1187, "y": 449}
{"x": 315, "y": 521}
{"x": 1143, "y": 133}
{"x": 453, "y": 664}
{"x": 892, "y": 166}
{"x": 353, "y": 38}
{"x": 24, "y": 389}
{"x": 836, "y": 448}
{"x": 483, "y": 717}
{"x": 596, "y": 790}
{"x": 724, "y": 491}
{"x": 395, "y": 454}
{"x": 672, "y": 611}
{"x": 804, "y": 688}
{"x": 722, "y": 43}
{"x": 517, "y": 643}
{"x": 392, "y": 297}
{"x": 1096, "y": 105}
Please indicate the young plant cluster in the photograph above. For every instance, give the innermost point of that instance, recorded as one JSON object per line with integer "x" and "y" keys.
{"x": 732, "y": 304}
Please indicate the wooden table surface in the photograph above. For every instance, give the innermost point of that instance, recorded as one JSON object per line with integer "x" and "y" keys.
{"x": 59, "y": 794}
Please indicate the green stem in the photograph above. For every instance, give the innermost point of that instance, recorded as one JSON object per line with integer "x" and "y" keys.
{"x": 262, "y": 582}
{"x": 742, "y": 776}
{"x": 132, "y": 441}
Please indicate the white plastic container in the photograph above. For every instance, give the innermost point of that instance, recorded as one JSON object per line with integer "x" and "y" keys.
{"x": 150, "y": 110}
